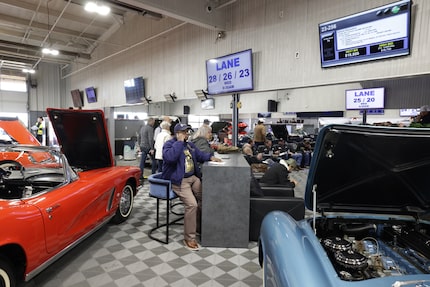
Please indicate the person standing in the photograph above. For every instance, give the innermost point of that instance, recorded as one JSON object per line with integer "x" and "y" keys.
{"x": 180, "y": 166}
{"x": 158, "y": 129}
{"x": 202, "y": 137}
{"x": 147, "y": 145}
{"x": 162, "y": 137}
{"x": 259, "y": 134}
{"x": 39, "y": 131}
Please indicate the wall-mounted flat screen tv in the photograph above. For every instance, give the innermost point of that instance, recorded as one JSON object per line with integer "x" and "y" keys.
{"x": 208, "y": 104}
{"x": 77, "y": 98}
{"x": 409, "y": 112}
{"x": 230, "y": 74}
{"x": 382, "y": 32}
{"x": 91, "y": 94}
{"x": 134, "y": 90}
{"x": 364, "y": 99}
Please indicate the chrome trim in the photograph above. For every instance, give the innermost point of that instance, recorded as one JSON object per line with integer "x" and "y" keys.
{"x": 57, "y": 256}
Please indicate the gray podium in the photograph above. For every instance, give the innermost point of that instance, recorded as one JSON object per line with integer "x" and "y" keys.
{"x": 225, "y": 210}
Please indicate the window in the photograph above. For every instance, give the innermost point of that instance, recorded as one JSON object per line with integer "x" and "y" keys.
{"x": 197, "y": 121}
{"x": 13, "y": 83}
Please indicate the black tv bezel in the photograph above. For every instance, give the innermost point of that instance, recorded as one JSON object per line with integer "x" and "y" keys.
{"x": 232, "y": 90}
{"x": 91, "y": 99}
{"x": 77, "y": 98}
{"x": 367, "y": 57}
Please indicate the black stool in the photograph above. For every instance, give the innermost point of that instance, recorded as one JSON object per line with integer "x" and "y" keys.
{"x": 161, "y": 189}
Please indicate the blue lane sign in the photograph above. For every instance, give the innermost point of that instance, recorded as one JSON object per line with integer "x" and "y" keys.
{"x": 364, "y": 99}
{"x": 229, "y": 74}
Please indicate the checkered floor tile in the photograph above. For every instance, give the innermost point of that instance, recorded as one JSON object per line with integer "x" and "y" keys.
{"x": 123, "y": 255}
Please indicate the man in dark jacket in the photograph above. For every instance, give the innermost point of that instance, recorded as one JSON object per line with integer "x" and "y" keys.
{"x": 180, "y": 166}
{"x": 278, "y": 173}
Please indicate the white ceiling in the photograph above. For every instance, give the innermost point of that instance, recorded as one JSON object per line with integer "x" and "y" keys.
{"x": 27, "y": 26}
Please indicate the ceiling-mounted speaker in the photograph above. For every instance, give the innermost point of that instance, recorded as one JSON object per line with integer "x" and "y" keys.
{"x": 186, "y": 110}
{"x": 272, "y": 106}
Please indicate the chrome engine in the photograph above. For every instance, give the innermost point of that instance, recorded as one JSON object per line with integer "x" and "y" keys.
{"x": 361, "y": 251}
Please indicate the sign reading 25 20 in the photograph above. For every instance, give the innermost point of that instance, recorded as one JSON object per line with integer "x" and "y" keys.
{"x": 363, "y": 99}
{"x": 229, "y": 74}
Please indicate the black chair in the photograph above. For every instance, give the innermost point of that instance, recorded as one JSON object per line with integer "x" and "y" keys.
{"x": 161, "y": 189}
{"x": 269, "y": 198}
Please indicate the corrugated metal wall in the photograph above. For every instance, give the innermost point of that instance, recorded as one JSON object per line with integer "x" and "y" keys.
{"x": 283, "y": 35}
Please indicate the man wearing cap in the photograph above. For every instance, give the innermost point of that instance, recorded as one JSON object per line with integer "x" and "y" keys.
{"x": 180, "y": 166}
{"x": 206, "y": 122}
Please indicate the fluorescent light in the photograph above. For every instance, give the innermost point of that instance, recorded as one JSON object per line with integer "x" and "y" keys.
{"x": 30, "y": 71}
{"x": 50, "y": 51}
{"x": 104, "y": 10}
{"x": 93, "y": 7}
{"x": 90, "y": 7}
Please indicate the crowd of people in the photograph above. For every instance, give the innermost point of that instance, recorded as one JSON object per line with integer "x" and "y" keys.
{"x": 178, "y": 155}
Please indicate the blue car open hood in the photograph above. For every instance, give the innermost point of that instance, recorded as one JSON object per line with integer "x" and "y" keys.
{"x": 368, "y": 169}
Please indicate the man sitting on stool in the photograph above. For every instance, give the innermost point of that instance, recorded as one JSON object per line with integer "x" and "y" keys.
{"x": 180, "y": 166}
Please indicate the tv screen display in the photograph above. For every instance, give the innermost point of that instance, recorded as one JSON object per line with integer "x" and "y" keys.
{"x": 77, "y": 98}
{"x": 409, "y": 112}
{"x": 91, "y": 94}
{"x": 364, "y": 99}
{"x": 378, "y": 33}
{"x": 230, "y": 74}
{"x": 134, "y": 90}
{"x": 208, "y": 104}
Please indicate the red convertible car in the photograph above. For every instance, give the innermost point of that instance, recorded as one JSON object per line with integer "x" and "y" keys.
{"x": 57, "y": 197}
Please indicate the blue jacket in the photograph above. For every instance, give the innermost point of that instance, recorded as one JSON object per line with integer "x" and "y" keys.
{"x": 174, "y": 160}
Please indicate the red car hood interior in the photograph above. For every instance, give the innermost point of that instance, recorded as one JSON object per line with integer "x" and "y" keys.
{"x": 83, "y": 137}
{"x": 19, "y": 133}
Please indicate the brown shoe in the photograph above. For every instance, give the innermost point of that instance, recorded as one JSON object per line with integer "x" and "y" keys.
{"x": 191, "y": 244}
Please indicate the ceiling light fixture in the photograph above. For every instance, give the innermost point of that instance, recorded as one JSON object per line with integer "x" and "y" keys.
{"x": 50, "y": 51}
{"x": 93, "y": 7}
{"x": 29, "y": 71}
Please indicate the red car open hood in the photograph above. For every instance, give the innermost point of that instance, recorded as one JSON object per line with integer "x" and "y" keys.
{"x": 15, "y": 132}
{"x": 83, "y": 137}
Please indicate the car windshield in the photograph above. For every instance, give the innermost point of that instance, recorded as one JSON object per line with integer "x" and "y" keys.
{"x": 29, "y": 170}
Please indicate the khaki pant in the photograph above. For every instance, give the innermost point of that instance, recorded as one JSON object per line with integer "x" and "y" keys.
{"x": 190, "y": 192}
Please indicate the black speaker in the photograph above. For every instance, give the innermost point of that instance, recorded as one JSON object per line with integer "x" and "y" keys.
{"x": 272, "y": 106}
{"x": 186, "y": 110}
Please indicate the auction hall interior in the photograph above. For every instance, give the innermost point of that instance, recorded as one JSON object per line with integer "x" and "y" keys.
{"x": 301, "y": 88}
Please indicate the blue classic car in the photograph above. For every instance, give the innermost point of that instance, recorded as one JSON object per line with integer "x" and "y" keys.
{"x": 369, "y": 192}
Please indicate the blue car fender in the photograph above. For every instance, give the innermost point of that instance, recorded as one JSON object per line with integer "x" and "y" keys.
{"x": 291, "y": 254}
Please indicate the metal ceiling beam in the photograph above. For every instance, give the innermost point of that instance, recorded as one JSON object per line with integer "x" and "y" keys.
{"x": 191, "y": 11}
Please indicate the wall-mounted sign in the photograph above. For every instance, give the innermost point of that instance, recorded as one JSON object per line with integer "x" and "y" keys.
{"x": 229, "y": 74}
{"x": 364, "y": 99}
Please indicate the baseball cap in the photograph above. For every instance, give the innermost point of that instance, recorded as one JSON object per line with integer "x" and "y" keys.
{"x": 181, "y": 127}
{"x": 206, "y": 121}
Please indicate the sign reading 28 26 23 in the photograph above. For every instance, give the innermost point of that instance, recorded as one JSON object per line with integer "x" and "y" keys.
{"x": 231, "y": 73}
